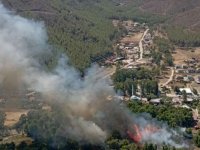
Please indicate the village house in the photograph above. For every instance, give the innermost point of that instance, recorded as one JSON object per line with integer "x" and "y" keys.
{"x": 136, "y": 56}
{"x": 121, "y": 47}
{"x": 147, "y": 52}
{"x": 181, "y": 66}
{"x": 197, "y": 80}
{"x": 186, "y": 79}
{"x": 190, "y": 70}
{"x": 155, "y": 101}
{"x": 178, "y": 67}
{"x": 179, "y": 78}
{"x": 198, "y": 70}
{"x": 191, "y": 78}
{"x": 180, "y": 71}
{"x": 191, "y": 61}
{"x": 189, "y": 100}
{"x": 118, "y": 59}
{"x": 187, "y": 90}
{"x": 184, "y": 66}
{"x": 134, "y": 97}
{"x": 136, "y": 24}
{"x": 136, "y": 49}
{"x": 185, "y": 106}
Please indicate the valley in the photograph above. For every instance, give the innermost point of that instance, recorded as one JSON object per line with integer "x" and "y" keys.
{"x": 113, "y": 75}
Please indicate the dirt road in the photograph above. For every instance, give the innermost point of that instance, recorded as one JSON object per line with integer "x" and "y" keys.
{"x": 141, "y": 45}
{"x": 139, "y": 61}
{"x": 170, "y": 78}
{"x": 195, "y": 114}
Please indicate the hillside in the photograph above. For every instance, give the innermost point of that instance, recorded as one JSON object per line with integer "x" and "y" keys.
{"x": 133, "y": 101}
{"x": 182, "y": 12}
{"x": 71, "y": 27}
{"x": 82, "y": 29}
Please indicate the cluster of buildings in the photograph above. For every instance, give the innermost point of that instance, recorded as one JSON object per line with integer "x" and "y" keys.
{"x": 130, "y": 57}
{"x": 130, "y": 49}
{"x": 147, "y": 43}
{"x": 186, "y": 74}
{"x": 133, "y": 27}
{"x": 188, "y": 71}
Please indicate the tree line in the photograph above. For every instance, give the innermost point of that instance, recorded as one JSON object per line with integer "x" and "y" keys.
{"x": 183, "y": 37}
{"x": 127, "y": 80}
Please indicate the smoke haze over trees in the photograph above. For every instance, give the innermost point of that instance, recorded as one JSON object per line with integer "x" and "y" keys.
{"x": 82, "y": 29}
{"x": 85, "y": 115}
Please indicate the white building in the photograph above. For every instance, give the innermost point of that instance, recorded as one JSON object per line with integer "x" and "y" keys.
{"x": 187, "y": 90}
{"x": 133, "y": 97}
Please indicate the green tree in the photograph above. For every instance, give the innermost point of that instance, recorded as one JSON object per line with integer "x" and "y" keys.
{"x": 184, "y": 94}
{"x": 2, "y": 119}
{"x": 195, "y": 91}
{"x": 150, "y": 147}
{"x": 197, "y": 139}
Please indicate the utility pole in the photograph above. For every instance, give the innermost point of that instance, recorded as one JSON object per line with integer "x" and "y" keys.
{"x": 132, "y": 89}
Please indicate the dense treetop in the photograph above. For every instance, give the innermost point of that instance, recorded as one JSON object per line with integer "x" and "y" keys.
{"x": 81, "y": 29}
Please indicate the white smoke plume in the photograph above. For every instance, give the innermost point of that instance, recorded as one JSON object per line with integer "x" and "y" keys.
{"x": 157, "y": 132}
{"x": 90, "y": 116}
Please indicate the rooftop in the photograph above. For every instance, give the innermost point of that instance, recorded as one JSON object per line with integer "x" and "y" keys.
{"x": 187, "y": 90}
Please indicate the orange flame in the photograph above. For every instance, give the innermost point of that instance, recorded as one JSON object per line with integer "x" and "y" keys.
{"x": 138, "y": 134}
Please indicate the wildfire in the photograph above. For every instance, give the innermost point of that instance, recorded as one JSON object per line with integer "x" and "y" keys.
{"x": 138, "y": 132}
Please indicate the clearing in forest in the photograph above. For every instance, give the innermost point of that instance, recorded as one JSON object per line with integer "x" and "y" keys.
{"x": 133, "y": 38}
{"x": 12, "y": 117}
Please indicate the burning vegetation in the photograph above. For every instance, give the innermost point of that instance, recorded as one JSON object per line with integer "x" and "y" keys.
{"x": 136, "y": 133}
{"x": 79, "y": 109}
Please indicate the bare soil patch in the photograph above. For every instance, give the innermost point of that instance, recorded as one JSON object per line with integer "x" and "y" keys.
{"x": 182, "y": 55}
{"x": 12, "y": 117}
{"x": 17, "y": 139}
{"x": 132, "y": 38}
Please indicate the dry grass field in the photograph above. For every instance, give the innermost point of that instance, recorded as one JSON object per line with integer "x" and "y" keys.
{"x": 12, "y": 117}
{"x": 182, "y": 55}
{"x": 133, "y": 38}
